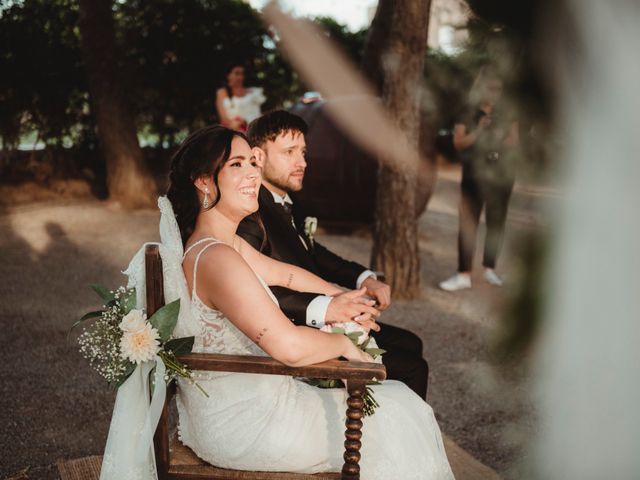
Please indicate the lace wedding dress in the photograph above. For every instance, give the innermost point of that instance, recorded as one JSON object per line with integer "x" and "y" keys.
{"x": 278, "y": 423}
{"x": 258, "y": 422}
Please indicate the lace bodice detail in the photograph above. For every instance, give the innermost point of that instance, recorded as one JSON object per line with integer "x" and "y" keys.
{"x": 216, "y": 333}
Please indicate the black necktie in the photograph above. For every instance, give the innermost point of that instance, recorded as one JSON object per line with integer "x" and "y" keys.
{"x": 287, "y": 208}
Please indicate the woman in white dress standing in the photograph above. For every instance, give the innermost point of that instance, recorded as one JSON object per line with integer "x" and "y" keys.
{"x": 269, "y": 422}
{"x": 236, "y": 104}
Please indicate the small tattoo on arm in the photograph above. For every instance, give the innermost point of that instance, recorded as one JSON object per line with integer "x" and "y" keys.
{"x": 290, "y": 280}
{"x": 260, "y": 335}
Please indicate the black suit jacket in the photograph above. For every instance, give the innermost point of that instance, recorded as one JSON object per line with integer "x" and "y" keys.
{"x": 283, "y": 243}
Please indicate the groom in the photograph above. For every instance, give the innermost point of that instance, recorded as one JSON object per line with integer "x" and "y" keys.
{"x": 279, "y": 144}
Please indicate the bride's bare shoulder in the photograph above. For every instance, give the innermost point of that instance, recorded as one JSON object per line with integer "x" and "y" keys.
{"x": 206, "y": 252}
{"x": 216, "y": 260}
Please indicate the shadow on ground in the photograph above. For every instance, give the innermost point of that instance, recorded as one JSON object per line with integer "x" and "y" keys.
{"x": 53, "y": 404}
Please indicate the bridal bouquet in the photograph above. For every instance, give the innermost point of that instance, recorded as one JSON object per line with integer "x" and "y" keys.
{"x": 121, "y": 337}
{"x": 361, "y": 339}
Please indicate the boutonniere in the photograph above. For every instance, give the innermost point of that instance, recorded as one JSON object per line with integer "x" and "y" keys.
{"x": 310, "y": 227}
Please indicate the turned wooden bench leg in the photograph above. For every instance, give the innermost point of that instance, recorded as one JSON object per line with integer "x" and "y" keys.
{"x": 161, "y": 437}
{"x": 353, "y": 434}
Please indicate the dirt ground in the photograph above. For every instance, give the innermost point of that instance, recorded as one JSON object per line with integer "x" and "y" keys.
{"x": 54, "y": 406}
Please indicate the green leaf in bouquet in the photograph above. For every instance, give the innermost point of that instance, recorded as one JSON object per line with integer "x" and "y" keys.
{"x": 370, "y": 403}
{"x": 129, "y": 302}
{"x": 180, "y": 346}
{"x": 324, "y": 382}
{"x": 104, "y": 293}
{"x": 85, "y": 317}
{"x": 374, "y": 352}
{"x": 365, "y": 343}
{"x": 338, "y": 330}
{"x": 89, "y": 315}
{"x": 127, "y": 373}
{"x": 165, "y": 319}
{"x": 113, "y": 302}
{"x": 353, "y": 336}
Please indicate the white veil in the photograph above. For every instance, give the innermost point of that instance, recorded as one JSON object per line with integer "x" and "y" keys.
{"x": 129, "y": 451}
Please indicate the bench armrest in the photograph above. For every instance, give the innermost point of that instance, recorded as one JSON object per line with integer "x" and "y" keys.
{"x": 266, "y": 365}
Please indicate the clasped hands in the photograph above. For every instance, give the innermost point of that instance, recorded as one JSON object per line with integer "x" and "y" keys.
{"x": 362, "y": 306}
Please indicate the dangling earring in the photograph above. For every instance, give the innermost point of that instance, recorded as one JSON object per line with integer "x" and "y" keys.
{"x": 205, "y": 202}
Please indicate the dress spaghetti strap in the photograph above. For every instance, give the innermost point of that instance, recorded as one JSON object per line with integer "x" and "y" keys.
{"x": 202, "y": 240}
{"x": 212, "y": 241}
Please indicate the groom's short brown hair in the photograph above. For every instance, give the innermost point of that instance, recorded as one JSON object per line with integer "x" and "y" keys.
{"x": 268, "y": 126}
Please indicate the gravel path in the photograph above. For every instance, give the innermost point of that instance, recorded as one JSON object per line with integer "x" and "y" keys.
{"x": 54, "y": 406}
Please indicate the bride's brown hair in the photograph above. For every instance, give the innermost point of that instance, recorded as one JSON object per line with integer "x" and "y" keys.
{"x": 203, "y": 153}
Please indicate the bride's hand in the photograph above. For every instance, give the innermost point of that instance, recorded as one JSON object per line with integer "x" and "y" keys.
{"x": 354, "y": 354}
{"x": 353, "y": 306}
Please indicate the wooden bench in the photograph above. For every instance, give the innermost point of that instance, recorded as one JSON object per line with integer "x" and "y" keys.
{"x": 176, "y": 461}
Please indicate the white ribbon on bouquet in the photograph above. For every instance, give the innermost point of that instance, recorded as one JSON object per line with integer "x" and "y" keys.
{"x": 129, "y": 453}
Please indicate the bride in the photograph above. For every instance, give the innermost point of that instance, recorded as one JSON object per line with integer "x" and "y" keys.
{"x": 269, "y": 422}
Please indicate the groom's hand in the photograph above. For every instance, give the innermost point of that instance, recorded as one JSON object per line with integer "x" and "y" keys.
{"x": 353, "y": 306}
{"x": 378, "y": 290}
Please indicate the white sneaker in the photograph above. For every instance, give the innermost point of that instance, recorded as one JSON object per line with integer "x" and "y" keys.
{"x": 457, "y": 282}
{"x": 492, "y": 277}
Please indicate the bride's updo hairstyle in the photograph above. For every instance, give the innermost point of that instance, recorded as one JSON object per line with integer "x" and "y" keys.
{"x": 202, "y": 154}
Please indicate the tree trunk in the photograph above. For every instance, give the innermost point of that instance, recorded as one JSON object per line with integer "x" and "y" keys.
{"x": 376, "y": 50}
{"x": 128, "y": 181}
{"x": 376, "y": 44}
{"x": 395, "y": 249}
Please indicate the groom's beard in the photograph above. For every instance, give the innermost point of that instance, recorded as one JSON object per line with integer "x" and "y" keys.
{"x": 291, "y": 183}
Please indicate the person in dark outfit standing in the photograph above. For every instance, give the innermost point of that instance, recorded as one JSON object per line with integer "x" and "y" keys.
{"x": 485, "y": 136}
{"x": 282, "y": 232}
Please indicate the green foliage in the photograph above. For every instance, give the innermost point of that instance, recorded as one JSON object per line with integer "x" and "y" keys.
{"x": 129, "y": 301}
{"x": 105, "y": 294}
{"x": 129, "y": 368}
{"x": 375, "y": 352}
{"x": 172, "y": 52}
{"x": 165, "y": 319}
{"x": 42, "y": 86}
{"x": 84, "y": 318}
{"x": 180, "y": 346}
{"x": 177, "y": 52}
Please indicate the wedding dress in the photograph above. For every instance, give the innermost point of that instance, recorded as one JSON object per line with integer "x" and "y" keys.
{"x": 253, "y": 421}
{"x": 278, "y": 423}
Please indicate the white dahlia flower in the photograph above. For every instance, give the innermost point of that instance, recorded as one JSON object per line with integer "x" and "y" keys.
{"x": 140, "y": 345}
